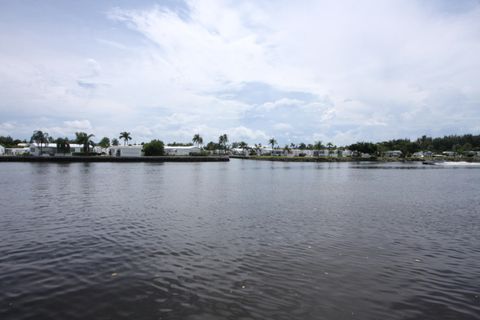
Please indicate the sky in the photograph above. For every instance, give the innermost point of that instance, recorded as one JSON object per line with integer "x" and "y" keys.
{"x": 299, "y": 71}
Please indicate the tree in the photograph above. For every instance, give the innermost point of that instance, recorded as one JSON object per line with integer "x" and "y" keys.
{"x": 154, "y": 148}
{"x": 40, "y": 138}
{"x": 63, "y": 146}
{"x": 272, "y": 142}
{"x": 84, "y": 138}
{"x": 286, "y": 149}
{"x": 222, "y": 141}
{"x": 318, "y": 145}
{"x": 125, "y": 136}
{"x": 114, "y": 142}
{"x": 243, "y": 145}
{"x": 364, "y": 147}
{"x": 258, "y": 148}
{"x": 104, "y": 143}
{"x": 302, "y": 146}
{"x": 197, "y": 140}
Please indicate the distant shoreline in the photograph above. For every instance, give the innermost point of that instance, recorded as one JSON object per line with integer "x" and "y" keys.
{"x": 70, "y": 159}
{"x": 337, "y": 159}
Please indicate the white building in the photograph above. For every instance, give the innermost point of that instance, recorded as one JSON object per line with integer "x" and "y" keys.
{"x": 393, "y": 154}
{"x": 346, "y": 153}
{"x": 422, "y": 154}
{"x": 52, "y": 150}
{"x": 16, "y": 151}
{"x": 181, "y": 150}
{"x": 126, "y": 151}
{"x": 2, "y": 150}
{"x": 449, "y": 153}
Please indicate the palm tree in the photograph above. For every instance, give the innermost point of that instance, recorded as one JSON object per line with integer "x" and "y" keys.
{"x": 40, "y": 138}
{"x": 84, "y": 138}
{"x": 258, "y": 148}
{"x": 273, "y": 142}
{"x": 222, "y": 141}
{"x": 244, "y": 146}
{"x": 125, "y": 136}
{"x": 318, "y": 145}
{"x": 63, "y": 146}
{"x": 197, "y": 139}
{"x": 287, "y": 149}
{"x": 330, "y": 146}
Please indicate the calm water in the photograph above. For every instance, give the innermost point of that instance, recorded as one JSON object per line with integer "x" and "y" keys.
{"x": 239, "y": 240}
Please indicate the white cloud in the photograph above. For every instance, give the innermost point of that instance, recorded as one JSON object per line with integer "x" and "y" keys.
{"x": 359, "y": 71}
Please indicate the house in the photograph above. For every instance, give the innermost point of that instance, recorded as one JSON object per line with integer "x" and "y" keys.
{"x": 422, "y": 154}
{"x": 346, "y": 153}
{"x": 321, "y": 153}
{"x": 2, "y": 150}
{"x": 181, "y": 150}
{"x": 449, "y": 153}
{"x": 126, "y": 151}
{"x": 52, "y": 149}
{"x": 16, "y": 151}
{"x": 301, "y": 153}
{"x": 393, "y": 154}
{"x": 240, "y": 151}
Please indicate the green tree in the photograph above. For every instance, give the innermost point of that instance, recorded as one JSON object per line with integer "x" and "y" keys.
{"x": 318, "y": 145}
{"x": 115, "y": 142}
{"x": 40, "y": 138}
{"x": 222, "y": 141}
{"x": 287, "y": 149}
{"x": 125, "y": 136}
{"x": 272, "y": 142}
{"x": 197, "y": 140}
{"x": 104, "y": 143}
{"x": 85, "y": 139}
{"x": 63, "y": 146}
{"x": 154, "y": 148}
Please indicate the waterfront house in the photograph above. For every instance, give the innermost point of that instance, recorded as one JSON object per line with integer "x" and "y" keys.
{"x": 181, "y": 150}
{"x": 52, "y": 149}
{"x": 422, "y": 154}
{"x": 126, "y": 151}
{"x": 2, "y": 150}
{"x": 449, "y": 153}
{"x": 393, "y": 153}
{"x": 16, "y": 151}
{"x": 346, "y": 153}
{"x": 240, "y": 151}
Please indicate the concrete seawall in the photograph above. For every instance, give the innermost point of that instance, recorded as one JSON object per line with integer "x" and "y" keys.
{"x": 69, "y": 159}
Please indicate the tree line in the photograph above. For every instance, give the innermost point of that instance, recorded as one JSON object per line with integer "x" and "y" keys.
{"x": 456, "y": 143}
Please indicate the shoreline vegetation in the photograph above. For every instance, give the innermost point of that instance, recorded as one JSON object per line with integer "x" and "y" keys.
{"x": 44, "y": 148}
{"x": 348, "y": 159}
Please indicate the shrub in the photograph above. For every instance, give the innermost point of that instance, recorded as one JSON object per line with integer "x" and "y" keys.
{"x": 154, "y": 148}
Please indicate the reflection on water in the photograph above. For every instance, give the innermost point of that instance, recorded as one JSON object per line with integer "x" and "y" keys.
{"x": 239, "y": 240}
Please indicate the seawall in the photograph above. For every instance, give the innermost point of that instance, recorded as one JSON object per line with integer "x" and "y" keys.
{"x": 68, "y": 159}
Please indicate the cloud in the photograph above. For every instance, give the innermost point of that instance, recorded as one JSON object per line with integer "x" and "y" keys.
{"x": 340, "y": 71}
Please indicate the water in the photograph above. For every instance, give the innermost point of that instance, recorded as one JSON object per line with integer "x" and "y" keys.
{"x": 239, "y": 240}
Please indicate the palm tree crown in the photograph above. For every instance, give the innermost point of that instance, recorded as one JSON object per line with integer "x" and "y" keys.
{"x": 40, "y": 138}
{"x": 84, "y": 138}
{"x": 197, "y": 139}
{"x": 125, "y": 136}
{"x": 222, "y": 141}
{"x": 272, "y": 142}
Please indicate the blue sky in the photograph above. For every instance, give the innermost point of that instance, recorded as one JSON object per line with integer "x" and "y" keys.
{"x": 299, "y": 71}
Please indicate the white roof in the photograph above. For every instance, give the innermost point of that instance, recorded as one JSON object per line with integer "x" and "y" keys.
{"x": 181, "y": 147}
{"x": 54, "y": 145}
{"x": 127, "y": 147}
